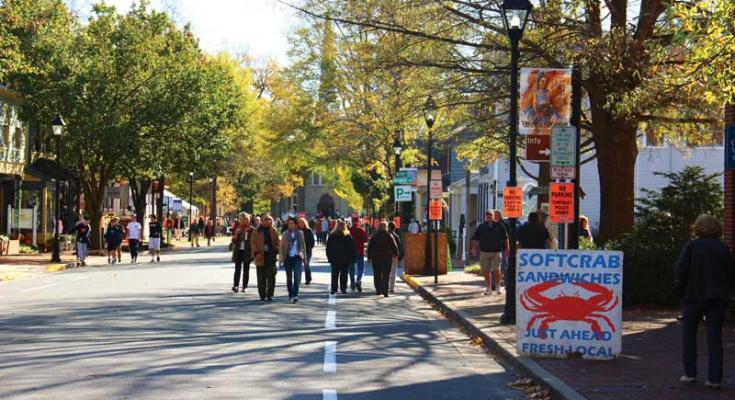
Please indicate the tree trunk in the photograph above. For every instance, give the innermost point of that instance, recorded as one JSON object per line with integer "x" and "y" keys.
{"x": 139, "y": 189}
{"x": 615, "y": 144}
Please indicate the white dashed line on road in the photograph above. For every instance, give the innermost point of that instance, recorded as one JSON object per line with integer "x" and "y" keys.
{"x": 331, "y": 322}
{"x": 330, "y": 356}
{"x": 329, "y": 394}
{"x": 39, "y": 288}
{"x": 332, "y": 299}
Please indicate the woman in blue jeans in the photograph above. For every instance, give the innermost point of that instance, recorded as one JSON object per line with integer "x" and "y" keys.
{"x": 704, "y": 272}
{"x": 291, "y": 256}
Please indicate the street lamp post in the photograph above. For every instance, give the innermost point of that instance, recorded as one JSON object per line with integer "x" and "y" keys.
{"x": 429, "y": 117}
{"x": 211, "y": 197}
{"x": 397, "y": 148}
{"x": 191, "y": 205}
{"x": 515, "y": 17}
{"x": 57, "y": 126}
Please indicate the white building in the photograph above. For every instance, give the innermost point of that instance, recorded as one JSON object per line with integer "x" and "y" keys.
{"x": 487, "y": 185}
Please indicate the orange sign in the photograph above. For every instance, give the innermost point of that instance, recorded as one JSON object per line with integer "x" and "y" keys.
{"x": 435, "y": 210}
{"x": 513, "y": 202}
{"x": 561, "y": 203}
{"x": 397, "y": 221}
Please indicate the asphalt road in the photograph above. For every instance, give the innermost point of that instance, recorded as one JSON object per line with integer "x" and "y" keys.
{"x": 174, "y": 330}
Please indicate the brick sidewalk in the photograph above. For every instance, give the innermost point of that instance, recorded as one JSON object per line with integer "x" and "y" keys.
{"x": 648, "y": 369}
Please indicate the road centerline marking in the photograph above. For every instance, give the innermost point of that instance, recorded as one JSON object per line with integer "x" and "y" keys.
{"x": 330, "y": 356}
{"x": 331, "y": 322}
{"x": 332, "y": 299}
{"x": 329, "y": 394}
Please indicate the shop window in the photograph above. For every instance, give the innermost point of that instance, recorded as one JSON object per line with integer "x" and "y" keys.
{"x": 18, "y": 138}
{"x": 6, "y": 135}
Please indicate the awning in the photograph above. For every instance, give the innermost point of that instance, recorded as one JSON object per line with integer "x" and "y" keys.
{"x": 47, "y": 169}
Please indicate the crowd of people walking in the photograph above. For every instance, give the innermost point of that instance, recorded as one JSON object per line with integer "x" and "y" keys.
{"x": 346, "y": 245}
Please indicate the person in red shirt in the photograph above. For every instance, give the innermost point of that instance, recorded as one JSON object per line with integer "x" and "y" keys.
{"x": 359, "y": 237}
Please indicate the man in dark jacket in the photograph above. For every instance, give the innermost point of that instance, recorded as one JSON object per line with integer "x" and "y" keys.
{"x": 381, "y": 250}
{"x": 396, "y": 260}
{"x": 341, "y": 254}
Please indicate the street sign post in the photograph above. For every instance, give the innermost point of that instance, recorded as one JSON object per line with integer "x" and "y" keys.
{"x": 435, "y": 210}
{"x": 538, "y": 148}
{"x": 513, "y": 202}
{"x": 730, "y": 147}
{"x": 402, "y": 193}
{"x": 563, "y": 152}
{"x": 561, "y": 203}
{"x": 406, "y": 176}
{"x": 435, "y": 189}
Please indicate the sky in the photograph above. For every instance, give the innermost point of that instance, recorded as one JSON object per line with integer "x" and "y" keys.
{"x": 259, "y": 28}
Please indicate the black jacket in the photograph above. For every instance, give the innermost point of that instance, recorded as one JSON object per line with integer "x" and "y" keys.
{"x": 382, "y": 247}
{"x": 399, "y": 243}
{"x": 340, "y": 249}
{"x": 308, "y": 238}
{"x": 704, "y": 270}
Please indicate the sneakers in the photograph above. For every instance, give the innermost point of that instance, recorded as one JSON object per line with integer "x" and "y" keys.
{"x": 497, "y": 291}
{"x": 488, "y": 291}
{"x": 242, "y": 290}
{"x": 688, "y": 380}
{"x": 158, "y": 258}
{"x": 359, "y": 287}
{"x": 234, "y": 289}
{"x": 710, "y": 385}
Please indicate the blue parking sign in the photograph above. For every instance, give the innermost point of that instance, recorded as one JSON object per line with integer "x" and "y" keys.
{"x": 730, "y": 147}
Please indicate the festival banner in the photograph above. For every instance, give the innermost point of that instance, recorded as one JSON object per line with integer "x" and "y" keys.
{"x": 569, "y": 303}
{"x": 545, "y": 100}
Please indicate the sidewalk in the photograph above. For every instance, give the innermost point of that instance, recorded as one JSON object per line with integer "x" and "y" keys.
{"x": 27, "y": 265}
{"x": 648, "y": 369}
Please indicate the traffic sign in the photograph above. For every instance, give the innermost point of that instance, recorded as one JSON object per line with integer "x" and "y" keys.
{"x": 513, "y": 202}
{"x": 563, "y": 146}
{"x": 730, "y": 147}
{"x": 558, "y": 172}
{"x": 561, "y": 203}
{"x": 435, "y": 189}
{"x": 406, "y": 176}
{"x": 402, "y": 193}
{"x": 435, "y": 210}
{"x": 538, "y": 147}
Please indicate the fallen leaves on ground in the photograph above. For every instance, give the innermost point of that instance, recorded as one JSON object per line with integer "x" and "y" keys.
{"x": 533, "y": 391}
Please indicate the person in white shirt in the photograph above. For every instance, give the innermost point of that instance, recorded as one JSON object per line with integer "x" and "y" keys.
{"x": 133, "y": 229}
{"x": 413, "y": 227}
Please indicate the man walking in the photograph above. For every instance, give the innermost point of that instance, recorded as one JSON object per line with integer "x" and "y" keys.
{"x": 154, "y": 238}
{"x": 381, "y": 250}
{"x": 133, "y": 229}
{"x": 264, "y": 248}
{"x": 396, "y": 260}
{"x": 82, "y": 231}
{"x": 359, "y": 237}
{"x": 492, "y": 240}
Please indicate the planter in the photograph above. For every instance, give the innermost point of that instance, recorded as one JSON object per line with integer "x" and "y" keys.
{"x": 9, "y": 247}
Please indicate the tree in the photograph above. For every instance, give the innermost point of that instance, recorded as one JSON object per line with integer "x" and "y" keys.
{"x": 634, "y": 63}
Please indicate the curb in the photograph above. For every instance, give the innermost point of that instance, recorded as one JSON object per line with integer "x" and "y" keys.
{"x": 524, "y": 365}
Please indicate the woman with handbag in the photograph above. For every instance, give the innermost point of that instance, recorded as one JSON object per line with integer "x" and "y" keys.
{"x": 704, "y": 272}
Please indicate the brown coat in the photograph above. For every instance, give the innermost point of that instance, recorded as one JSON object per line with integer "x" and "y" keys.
{"x": 382, "y": 247}
{"x": 258, "y": 242}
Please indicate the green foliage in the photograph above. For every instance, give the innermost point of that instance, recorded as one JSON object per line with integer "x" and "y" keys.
{"x": 451, "y": 241}
{"x": 663, "y": 226}
{"x": 25, "y": 249}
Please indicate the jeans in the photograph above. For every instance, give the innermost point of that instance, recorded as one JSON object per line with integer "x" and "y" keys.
{"x": 293, "y": 275}
{"x": 339, "y": 275}
{"x": 133, "y": 244}
{"x": 714, "y": 314}
{"x": 307, "y": 266}
{"x": 360, "y": 262}
{"x": 242, "y": 268}
{"x": 82, "y": 251}
{"x": 267, "y": 276}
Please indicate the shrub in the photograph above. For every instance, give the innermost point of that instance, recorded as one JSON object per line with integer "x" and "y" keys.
{"x": 473, "y": 269}
{"x": 25, "y": 249}
{"x": 663, "y": 226}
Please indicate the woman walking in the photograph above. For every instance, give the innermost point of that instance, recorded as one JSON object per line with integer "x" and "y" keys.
{"x": 309, "y": 240}
{"x": 82, "y": 230}
{"x": 241, "y": 253}
{"x": 114, "y": 238}
{"x": 341, "y": 254}
{"x": 703, "y": 274}
{"x": 381, "y": 250}
{"x": 292, "y": 256}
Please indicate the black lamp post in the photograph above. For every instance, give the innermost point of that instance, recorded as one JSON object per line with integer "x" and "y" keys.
{"x": 191, "y": 205}
{"x": 429, "y": 117}
{"x": 515, "y": 17}
{"x": 57, "y": 126}
{"x": 397, "y": 148}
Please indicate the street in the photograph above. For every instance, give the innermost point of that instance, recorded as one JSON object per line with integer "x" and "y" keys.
{"x": 174, "y": 330}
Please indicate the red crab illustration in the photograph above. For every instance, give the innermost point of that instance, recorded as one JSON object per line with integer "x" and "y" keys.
{"x": 569, "y": 308}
